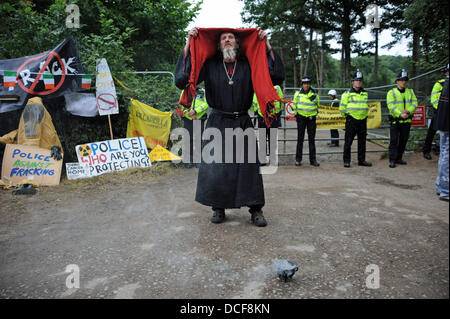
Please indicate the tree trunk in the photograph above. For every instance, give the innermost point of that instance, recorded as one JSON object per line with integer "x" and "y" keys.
{"x": 308, "y": 58}
{"x": 415, "y": 59}
{"x": 346, "y": 34}
{"x": 322, "y": 58}
{"x": 375, "y": 71}
{"x": 294, "y": 64}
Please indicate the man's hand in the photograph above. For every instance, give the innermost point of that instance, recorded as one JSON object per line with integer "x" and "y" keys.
{"x": 264, "y": 35}
{"x": 192, "y": 33}
{"x": 56, "y": 152}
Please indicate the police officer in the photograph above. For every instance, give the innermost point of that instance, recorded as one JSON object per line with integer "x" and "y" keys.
{"x": 195, "y": 114}
{"x": 306, "y": 106}
{"x": 401, "y": 102}
{"x": 276, "y": 122}
{"x": 355, "y": 109}
{"x": 334, "y": 133}
{"x": 435, "y": 95}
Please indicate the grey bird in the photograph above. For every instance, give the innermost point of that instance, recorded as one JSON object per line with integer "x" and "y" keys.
{"x": 284, "y": 268}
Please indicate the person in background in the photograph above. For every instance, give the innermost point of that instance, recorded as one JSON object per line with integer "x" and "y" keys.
{"x": 401, "y": 102}
{"x": 435, "y": 95}
{"x": 276, "y": 123}
{"x": 441, "y": 124}
{"x": 334, "y": 133}
{"x": 196, "y": 115}
{"x": 306, "y": 107}
{"x": 355, "y": 109}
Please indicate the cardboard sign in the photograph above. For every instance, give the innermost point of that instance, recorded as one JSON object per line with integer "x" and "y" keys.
{"x": 75, "y": 171}
{"x": 159, "y": 153}
{"x": 418, "y": 118}
{"x": 113, "y": 155}
{"x": 106, "y": 91}
{"x": 21, "y": 162}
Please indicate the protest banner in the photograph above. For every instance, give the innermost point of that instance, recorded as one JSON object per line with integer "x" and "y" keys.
{"x": 22, "y": 162}
{"x": 113, "y": 155}
{"x": 153, "y": 125}
{"x": 330, "y": 117}
{"x": 51, "y": 73}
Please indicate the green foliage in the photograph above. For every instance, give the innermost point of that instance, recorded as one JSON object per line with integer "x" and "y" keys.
{"x": 136, "y": 35}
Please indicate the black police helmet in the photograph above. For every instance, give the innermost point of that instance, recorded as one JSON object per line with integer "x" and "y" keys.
{"x": 357, "y": 75}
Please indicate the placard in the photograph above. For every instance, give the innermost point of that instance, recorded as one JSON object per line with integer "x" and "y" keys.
{"x": 22, "y": 162}
{"x": 113, "y": 155}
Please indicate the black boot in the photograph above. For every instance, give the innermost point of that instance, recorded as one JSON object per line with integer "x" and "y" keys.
{"x": 258, "y": 218}
{"x": 218, "y": 215}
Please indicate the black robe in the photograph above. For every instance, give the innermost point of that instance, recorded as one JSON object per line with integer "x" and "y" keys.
{"x": 228, "y": 185}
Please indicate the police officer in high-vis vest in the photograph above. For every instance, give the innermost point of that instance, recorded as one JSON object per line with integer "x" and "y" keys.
{"x": 276, "y": 122}
{"x": 355, "y": 109}
{"x": 195, "y": 114}
{"x": 401, "y": 102}
{"x": 306, "y": 107}
{"x": 435, "y": 95}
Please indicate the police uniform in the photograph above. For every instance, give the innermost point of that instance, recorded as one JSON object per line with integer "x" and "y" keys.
{"x": 200, "y": 106}
{"x": 306, "y": 107}
{"x": 400, "y": 101}
{"x": 276, "y": 111}
{"x": 354, "y": 106}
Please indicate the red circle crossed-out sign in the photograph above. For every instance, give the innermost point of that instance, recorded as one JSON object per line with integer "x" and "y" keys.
{"x": 106, "y": 102}
{"x": 41, "y": 71}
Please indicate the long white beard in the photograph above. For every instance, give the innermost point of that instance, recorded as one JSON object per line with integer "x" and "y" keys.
{"x": 229, "y": 54}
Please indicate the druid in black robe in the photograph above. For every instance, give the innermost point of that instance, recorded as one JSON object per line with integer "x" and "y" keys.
{"x": 236, "y": 184}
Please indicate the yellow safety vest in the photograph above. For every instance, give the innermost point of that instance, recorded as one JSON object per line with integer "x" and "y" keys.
{"x": 306, "y": 104}
{"x": 278, "y": 107}
{"x": 199, "y": 105}
{"x": 355, "y": 104}
{"x": 397, "y": 102}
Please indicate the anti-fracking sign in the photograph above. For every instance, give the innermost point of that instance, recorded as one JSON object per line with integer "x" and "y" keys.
{"x": 51, "y": 73}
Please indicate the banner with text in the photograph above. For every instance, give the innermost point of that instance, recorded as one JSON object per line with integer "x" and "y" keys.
{"x": 21, "y": 162}
{"x": 51, "y": 73}
{"x": 114, "y": 155}
{"x": 153, "y": 125}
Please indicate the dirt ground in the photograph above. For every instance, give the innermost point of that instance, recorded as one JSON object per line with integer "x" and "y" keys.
{"x": 140, "y": 234}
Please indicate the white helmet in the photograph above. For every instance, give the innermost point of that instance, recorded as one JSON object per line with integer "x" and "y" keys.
{"x": 332, "y": 92}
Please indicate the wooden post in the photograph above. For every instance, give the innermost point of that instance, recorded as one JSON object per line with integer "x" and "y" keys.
{"x": 110, "y": 127}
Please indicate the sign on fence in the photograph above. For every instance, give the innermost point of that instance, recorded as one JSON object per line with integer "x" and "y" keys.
{"x": 22, "y": 162}
{"x": 113, "y": 155}
{"x": 419, "y": 116}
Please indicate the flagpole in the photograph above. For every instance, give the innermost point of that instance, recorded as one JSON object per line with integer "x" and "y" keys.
{"x": 110, "y": 127}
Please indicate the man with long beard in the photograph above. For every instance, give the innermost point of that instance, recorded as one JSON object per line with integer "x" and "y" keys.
{"x": 229, "y": 93}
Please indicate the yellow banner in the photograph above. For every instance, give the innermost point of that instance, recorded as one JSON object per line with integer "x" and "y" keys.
{"x": 153, "y": 125}
{"x": 330, "y": 117}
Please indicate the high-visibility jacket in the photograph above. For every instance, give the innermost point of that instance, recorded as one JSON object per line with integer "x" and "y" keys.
{"x": 278, "y": 106}
{"x": 354, "y": 104}
{"x": 199, "y": 105}
{"x": 306, "y": 104}
{"x": 398, "y": 101}
{"x": 436, "y": 93}
{"x": 334, "y": 103}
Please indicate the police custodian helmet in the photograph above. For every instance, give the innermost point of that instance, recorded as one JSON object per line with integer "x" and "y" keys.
{"x": 403, "y": 75}
{"x": 357, "y": 75}
{"x": 306, "y": 79}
